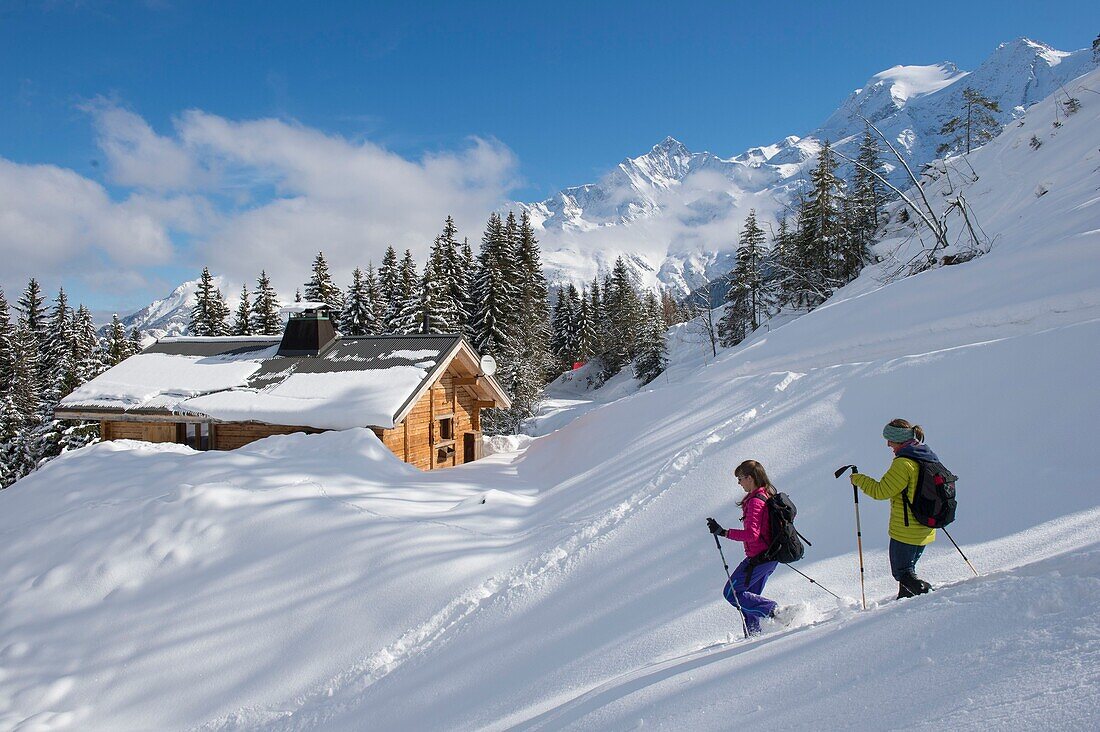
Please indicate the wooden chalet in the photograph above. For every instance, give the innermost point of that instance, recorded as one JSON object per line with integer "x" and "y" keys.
{"x": 421, "y": 394}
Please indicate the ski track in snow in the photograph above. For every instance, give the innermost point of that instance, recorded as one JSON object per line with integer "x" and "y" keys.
{"x": 312, "y": 709}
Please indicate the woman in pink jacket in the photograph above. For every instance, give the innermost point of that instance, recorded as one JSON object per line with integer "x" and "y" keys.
{"x": 747, "y": 581}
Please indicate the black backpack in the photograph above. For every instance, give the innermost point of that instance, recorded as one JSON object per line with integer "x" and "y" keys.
{"x": 933, "y": 503}
{"x": 786, "y": 545}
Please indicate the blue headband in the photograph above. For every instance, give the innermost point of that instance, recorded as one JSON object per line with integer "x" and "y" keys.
{"x": 898, "y": 434}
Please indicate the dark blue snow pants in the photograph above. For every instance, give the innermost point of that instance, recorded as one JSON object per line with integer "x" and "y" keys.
{"x": 753, "y": 605}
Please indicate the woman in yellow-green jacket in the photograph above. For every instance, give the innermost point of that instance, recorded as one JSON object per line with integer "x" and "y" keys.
{"x": 907, "y": 537}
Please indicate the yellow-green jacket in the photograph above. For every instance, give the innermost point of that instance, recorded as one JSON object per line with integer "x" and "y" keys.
{"x": 902, "y": 474}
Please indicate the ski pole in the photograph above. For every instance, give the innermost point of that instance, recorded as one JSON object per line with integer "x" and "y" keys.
{"x": 961, "y": 552}
{"x": 733, "y": 591}
{"x": 859, "y": 531}
{"x": 813, "y": 581}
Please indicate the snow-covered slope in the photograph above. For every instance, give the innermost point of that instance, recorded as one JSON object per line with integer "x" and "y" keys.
{"x": 677, "y": 213}
{"x": 314, "y": 582}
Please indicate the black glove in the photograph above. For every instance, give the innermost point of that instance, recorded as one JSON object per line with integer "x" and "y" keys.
{"x": 714, "y": 527}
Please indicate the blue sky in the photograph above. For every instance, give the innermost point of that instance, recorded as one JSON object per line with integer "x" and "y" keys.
{"x": 559, "y": 92}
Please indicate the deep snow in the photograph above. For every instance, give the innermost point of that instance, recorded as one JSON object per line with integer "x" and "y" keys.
{"x": 315, "y": 582}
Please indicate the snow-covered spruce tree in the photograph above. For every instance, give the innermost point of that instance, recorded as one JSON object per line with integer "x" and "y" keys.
{"x": 322, "y": 288}
{"x": 867, "y": 190}
{"x": 586, "y": 327}
{"x": 440, "y": 313}
{"x": 7, "y": 332}
{"x": 733, "y": 326}
{"x": 623, "y": 321}
{"x": 409, "y": 317}
{"x": 389, "y": 289}
{"x": 494, "y": 292}
{"x": 133, "y": 343}
{"x": 85, "y": 347}
{"x": 467, "y": 270}
{"x": 31, "y": 307}
{"x": 532, "y": 305}
{"x": 563, "y": 323}
{"x": 447, "y": 266}
{"x": 265, "y": 318}
{"x": 23, "y": 415}
{"x": 653, "y": 359}
{"x": 821, "y": 229}
{"x": 750, "y": 271}
{"x": 242, "y": 319}
{"x": 115, "y": 343}
{"x": 58, "y": 347}
{"x": 374, "y": 296}
{"x": 974, "y": 126}
{"x": 208, "y": 316}
{"x": 358, "y": 316}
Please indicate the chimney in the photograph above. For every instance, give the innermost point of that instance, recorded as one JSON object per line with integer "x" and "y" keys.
{"x": 309, "y": 329}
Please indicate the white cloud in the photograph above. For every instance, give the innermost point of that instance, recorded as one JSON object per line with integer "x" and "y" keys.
{"x": 247, "y": 195}
{"x": 57, "y": 225}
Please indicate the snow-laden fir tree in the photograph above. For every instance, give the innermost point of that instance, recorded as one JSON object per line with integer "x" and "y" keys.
{"x": 586, "y": 322}
{"x": 210, "y": 313}
{"x": 322, "y": 288}
{"x": 86, "y": 357}
{"x": 466, "y": 272}
{"x": 389, "y": 289}
{"x": 532, "y": 306}
{"x": 133, "y": 343}
{"x": 439, "y": 313}
{"x": 623, "y": 320}
{"x": 7, "y": 333}
{"x": 242, "y": 319}
{"x": 822, "y": 232}
{"x": 22, "y": 409}
{"x": 359, "y": 317}
{"x": 974, "y": 126}
{"x": 653, "y": 358}
{"x": 733, "y": 326}
{"x": 563, "y": 339}
{"x": 494, "y": 292}
{"x": 31, "y": 308}
{"x": 58, "y": 349}
{"x": 116, "y": 347}
{"x": 266, "y": 319}
{"x": 750, "y": 271}
{"x": 409, "y": 317}
{"x": 374, "y": 294}
{"x": 447, "y": 266}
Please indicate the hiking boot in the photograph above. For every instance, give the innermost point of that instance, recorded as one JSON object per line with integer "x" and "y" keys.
{"x": 912, "y": 586}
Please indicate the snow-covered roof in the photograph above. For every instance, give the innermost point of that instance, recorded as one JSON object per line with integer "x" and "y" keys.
{"x": 355, "y": 382}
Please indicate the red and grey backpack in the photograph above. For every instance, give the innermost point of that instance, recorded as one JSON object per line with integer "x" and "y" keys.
{"x": 933, "y": 503}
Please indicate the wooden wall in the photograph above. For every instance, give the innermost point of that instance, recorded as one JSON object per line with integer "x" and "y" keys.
{"x": 231, "y": 435}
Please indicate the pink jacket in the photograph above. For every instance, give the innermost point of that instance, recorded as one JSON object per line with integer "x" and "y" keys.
{"x": 757, "y": 533}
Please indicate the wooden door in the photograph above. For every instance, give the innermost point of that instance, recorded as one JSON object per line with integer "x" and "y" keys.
{"x": 158, "y": 432}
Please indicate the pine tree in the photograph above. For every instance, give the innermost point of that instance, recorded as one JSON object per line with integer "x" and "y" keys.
{"x": 86, "y": 358}
{"x": 439, "y": 313}
{"x": 133, "y": 343}
{"x": 562, "y": 322}
{"x": 358, "y": 318}
{"x": 116, "y": 346}
{"x": 653, "y": 359}
{"x": 494, "y": 292}
{"x": 322, "y": 288}
{"x": 623, "y": 320}
{"x": 22, "y": 409}
{"x": 208, "y": 316}
{"x": 532, "y": 306}
{"x": 750, "y": 273}
{"x": 466, "y": 271}
{"x": 821, "y": 229}
{"x": 733, "y": 326}
{"x": 7, "y": 333}
{"x": 409, "y": 317}
{"x": 242, "y": 320}
{"x": 974, "y": 127}
{"x": 586, "y": 328}
{"x": 265, "y": 310}
{"x": 447, "y": 270}
{"x": 374, "y": 296}
{"x": 389, "y": 287}
{"x": 31, "y": 307}
{"x": 57, "y": 349}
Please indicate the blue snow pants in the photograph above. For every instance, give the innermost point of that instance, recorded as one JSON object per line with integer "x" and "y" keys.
{"x": 753, "y": 605}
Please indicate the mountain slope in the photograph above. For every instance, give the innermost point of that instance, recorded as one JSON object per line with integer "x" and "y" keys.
{"x": 314, "y": 582}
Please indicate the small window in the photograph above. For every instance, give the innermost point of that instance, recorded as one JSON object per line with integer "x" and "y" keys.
{"x": 447, "y": 429}
{"x": 443, "y": 454}
{"x": 198, "y": 435}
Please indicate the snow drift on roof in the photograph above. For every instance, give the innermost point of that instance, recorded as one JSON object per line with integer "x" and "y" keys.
{"x": 334, "y": 401}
